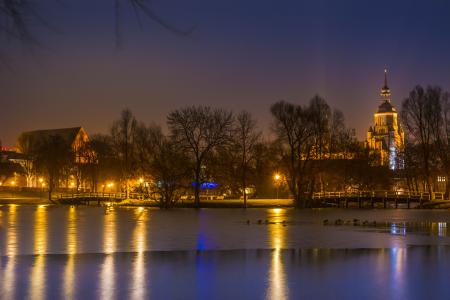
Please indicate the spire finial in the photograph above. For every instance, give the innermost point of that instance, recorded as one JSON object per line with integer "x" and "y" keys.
{"x": 385, "y": 78}
{"x": 385, "y": 92}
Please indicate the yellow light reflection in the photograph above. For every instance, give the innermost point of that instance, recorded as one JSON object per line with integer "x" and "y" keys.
{"x": 107, "y": 275}
{"x": 277, "y": 288}
{"x": 277, "y": 210}
{"x": 139, "y": 244}
{"x": 11, "y": 251}
{"x": 69, "y": 271}
{"x": 38, "y": 278}
{"x": 11, "y": 247}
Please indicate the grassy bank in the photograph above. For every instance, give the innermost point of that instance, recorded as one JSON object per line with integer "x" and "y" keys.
{"x": 41, "y": 197}
{"x": 226, "y": 203}
{"x": 23, "y": 197}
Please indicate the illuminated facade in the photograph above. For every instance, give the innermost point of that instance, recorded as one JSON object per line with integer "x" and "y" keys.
{"x": 29, "y": 142}
{"x": 386, "y": 136}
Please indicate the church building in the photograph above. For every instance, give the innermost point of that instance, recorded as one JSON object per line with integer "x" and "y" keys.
{"x": 386, "y": 136}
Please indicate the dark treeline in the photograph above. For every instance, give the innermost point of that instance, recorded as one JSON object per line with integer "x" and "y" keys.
{"x": 426, "y": 118}
{"x": 313, "y": 151}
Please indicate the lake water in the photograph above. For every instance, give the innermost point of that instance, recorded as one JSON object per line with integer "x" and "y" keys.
{"x": 51, "y": 252}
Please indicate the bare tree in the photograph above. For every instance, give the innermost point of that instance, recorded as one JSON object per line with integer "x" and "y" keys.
{"x": 442, "y": 132}
{"x": 293, "y": 129}
{"x": 54, "y": 157}
{"x": 168, "y": 166}
{"x": 25, "y": 146}
{"x": 18, "y": 19}
{"x": 320, "y": 117}
{"x": 123, "y": 132}
{"x": 420, "y": 114}
{"x": 245, "y": 140}
{"x": 199, "y": 130}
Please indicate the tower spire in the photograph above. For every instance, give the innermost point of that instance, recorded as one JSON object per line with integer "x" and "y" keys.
{"x": 385, "y": 92}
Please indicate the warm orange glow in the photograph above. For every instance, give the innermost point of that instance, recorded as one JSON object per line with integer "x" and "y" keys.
{"x": 141, "y": 180}
{"x": 277, "y": 177}
{"x": 277, "y": 210}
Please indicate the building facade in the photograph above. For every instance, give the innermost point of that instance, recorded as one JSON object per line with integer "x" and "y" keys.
{"x": 386, "y": 137}
{"x": 29, "y": 142}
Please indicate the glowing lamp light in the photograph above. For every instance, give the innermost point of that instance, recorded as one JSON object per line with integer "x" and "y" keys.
{"x": 277, "y": 176}
{"x": 141, "y": 180}
{"x": 13, "y": 182}
{"x": 72, "y": 184}
{"x": 41, "y": 180}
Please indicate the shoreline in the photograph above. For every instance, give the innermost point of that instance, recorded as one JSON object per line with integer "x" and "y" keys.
{"x": 232, "y": 203}
{"x": 228, "y": 203}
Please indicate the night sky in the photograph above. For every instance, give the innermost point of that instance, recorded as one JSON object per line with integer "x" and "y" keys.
{"x": 241, "y": 55}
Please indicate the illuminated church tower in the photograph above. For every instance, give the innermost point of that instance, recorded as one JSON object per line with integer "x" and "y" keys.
{"x": 386, "y": 136}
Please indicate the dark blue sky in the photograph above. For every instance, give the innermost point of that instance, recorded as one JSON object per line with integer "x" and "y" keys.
{"x": 241, "y": 55}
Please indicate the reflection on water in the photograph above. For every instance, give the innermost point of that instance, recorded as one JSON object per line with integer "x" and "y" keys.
{"x": 138, "y": 290}
{"x": 403, "y": 273}
{"x": 69, "y": 272}
{"x": 428, "y": 228}
{"x": 88, "y": 253}
{"x": 442, "y": 229}
{"x": 38, "y": 272}
{"x": 277, "y": 288}
{"x": 398, "y": 229}
{"x": 107, "y": 274}
{"x": 11, "y": 250}
{"x": 398, "y": 267}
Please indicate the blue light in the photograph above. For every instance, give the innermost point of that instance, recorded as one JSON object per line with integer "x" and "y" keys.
{"x": 207, "y": 185}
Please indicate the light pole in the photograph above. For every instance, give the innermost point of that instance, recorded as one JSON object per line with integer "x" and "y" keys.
{"x": 277, "y": 178}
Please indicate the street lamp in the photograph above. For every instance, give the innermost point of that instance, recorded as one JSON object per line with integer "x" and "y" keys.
{"x": 277, "y": 178}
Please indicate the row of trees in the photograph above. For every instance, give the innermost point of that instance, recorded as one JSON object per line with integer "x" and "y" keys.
{"x": 313, "y": 149}
{"x": 317, "y": 151}
{"x": 200, "y": 140}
